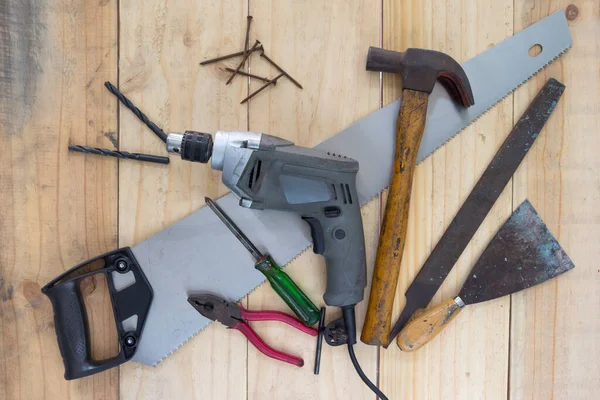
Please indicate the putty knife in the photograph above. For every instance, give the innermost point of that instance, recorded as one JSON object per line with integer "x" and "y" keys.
{"x": 521, "y": 255}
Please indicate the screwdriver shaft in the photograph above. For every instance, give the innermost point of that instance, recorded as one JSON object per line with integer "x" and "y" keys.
{"x": 281, "y": 282}
{"x": 234, "y": 229}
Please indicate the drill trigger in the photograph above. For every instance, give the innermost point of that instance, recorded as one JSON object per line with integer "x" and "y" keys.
{"x": 316, "y": 231}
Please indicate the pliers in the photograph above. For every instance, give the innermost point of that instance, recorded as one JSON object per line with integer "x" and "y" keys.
{"x": 234, "y": 316}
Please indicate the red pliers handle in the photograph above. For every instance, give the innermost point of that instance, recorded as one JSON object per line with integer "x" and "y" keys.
{"x": 236, "y": 317}
{"x": 276, "y": 316}
{"x": 264, "y": 348}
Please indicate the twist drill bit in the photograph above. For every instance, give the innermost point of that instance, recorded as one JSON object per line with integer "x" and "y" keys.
{"x": 119, "y": 154}
{"x": 138, "y": 113}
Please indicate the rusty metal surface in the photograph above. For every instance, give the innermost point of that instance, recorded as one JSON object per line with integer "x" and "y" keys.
{"x": 522, "y": 254}
{"x": 480, "y": 201}
{"x": 216, "y": 308}
{"x": 420, "y": 69}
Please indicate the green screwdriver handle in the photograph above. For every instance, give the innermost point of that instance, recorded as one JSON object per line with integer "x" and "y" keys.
{"x": 287, "y": 289}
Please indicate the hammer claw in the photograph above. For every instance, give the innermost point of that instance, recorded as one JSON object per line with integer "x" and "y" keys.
{"x": 421, "y": 68}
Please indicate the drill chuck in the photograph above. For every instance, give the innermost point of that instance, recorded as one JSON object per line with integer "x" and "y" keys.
{"x": 191, "y": 146}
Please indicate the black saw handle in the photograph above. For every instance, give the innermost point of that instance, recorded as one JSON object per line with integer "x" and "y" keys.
{"x": 70, "y": 317}
{"x": 72, "y": 331}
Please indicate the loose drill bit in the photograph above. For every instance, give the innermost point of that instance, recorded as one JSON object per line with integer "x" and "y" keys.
{"x": 138, "y": 113}
{"x": 119, "y": 154}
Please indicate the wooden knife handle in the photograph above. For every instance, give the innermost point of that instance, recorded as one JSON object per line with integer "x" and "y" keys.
{"x": 428, "y": 325}
{"x": 409, "y": 130}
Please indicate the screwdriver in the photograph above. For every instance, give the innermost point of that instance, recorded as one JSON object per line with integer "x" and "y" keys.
{"x": 283, "y": 285}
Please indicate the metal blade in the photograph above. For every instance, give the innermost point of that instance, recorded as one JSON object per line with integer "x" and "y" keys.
{"x": 521, "y": 255}
{"x": 234, "y": 229}
{"x": 479, "y": 202}
{"x": 199, "y": 253}
{"x": 493, "y": 75}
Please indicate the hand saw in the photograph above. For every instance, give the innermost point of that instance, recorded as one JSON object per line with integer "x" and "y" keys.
{"x": 169, "y": 258}
{"x": 199, "y": 253}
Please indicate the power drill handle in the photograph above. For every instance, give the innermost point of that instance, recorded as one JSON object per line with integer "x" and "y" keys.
{"x": 271, "y": 173}
{"x": 340, "y": 240}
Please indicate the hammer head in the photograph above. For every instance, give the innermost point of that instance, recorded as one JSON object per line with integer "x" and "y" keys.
{"x": 420, "y": 69}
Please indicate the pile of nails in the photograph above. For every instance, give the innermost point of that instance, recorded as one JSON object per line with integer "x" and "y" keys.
{"x": 245, "y": 54}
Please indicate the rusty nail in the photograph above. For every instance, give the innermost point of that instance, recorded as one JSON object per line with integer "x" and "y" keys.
{"x": 228, "y": 56}
{"x": 263, "y": 87}
{"x": 250, "y": 75}
{"x": 280, "y": 69}
{"x": 246, "y": 55}
{"x": 246, "y": 41}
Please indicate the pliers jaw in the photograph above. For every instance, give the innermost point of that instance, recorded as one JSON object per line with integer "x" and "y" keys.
{"x": 235, "y": 317}
{"x": 216, "y": 308}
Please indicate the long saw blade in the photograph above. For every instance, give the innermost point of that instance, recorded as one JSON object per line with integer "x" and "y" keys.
{"x": 199, "y": 253}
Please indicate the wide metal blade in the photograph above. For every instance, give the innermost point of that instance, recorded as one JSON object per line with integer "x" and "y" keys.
{"x": 199, "y": 253}
{"x": 521, "y": 255}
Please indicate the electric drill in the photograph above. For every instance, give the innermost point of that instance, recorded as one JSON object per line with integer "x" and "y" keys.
{"x": 267, "y": 172}
{"x": 270, "y": 173}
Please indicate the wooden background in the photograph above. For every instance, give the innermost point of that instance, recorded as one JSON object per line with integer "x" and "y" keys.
{"x": 58, "y": 209}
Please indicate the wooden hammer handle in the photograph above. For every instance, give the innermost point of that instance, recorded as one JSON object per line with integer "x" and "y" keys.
{"x": 428, "y": 325}
{"x": 409, "y": 130}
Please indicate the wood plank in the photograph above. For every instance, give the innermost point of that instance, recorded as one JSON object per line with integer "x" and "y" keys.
{"x": 554, "y": 326}
{"x": 469, "y": 359}
{"x": 58, "y": 208}
{"x": 160, "y": 47}
{"x": 323, "y": 46}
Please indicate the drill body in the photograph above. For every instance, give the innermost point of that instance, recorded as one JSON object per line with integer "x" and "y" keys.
{"x": 267, "y": 172}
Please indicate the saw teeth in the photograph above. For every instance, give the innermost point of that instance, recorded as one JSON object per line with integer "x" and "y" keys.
{"x": 377, "y": 194}
{"x": 493, "y": 105}
{"x": 244, "y": 296}
{"x": 371, "y": 198}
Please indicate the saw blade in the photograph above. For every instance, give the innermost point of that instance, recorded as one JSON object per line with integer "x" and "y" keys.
{"x": 199, "y": 253}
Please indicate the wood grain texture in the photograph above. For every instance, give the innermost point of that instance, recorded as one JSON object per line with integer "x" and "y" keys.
{"x": 421, "y": 329}
{"x": 461, "y": 29}
{"x": 554, "y": 344}
{"x": 409, "y": 131}
{"x": 160, "y": 47}
{"x": 323, "y": 45}
{"x": 58, "y": 209}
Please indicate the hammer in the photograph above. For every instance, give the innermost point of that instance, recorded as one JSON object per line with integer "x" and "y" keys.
{"x": 420, "y": 69}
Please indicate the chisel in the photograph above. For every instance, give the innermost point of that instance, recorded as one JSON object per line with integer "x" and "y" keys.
{"x": 283, "y": 285}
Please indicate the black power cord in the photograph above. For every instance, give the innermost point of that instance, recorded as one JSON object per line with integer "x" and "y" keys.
{"x": 350, "y": 325}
